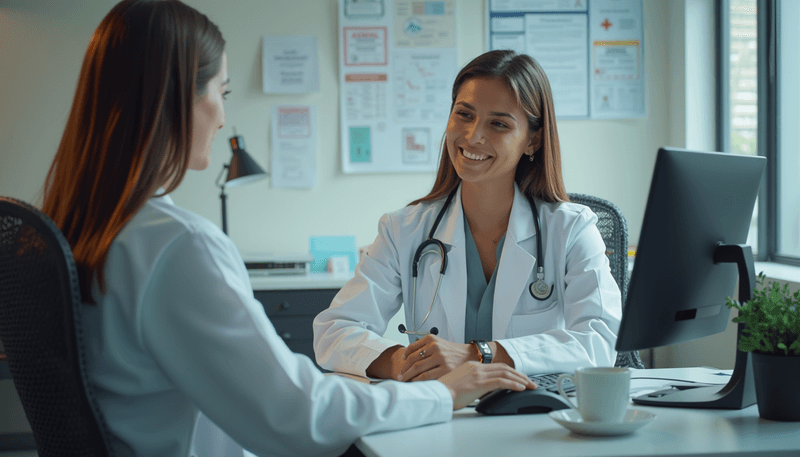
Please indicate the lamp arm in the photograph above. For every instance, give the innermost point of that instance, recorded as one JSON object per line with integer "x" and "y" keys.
{"x": 221, "y": 184}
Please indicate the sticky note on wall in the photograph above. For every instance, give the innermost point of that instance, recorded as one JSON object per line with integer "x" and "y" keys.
{"x": 324, "y": 247}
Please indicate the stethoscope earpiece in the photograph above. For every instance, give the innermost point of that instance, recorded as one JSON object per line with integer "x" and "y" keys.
{"x": 402, "y": 329}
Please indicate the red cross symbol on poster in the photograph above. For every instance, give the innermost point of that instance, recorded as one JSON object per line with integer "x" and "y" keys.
{"x": 606, "y": 24}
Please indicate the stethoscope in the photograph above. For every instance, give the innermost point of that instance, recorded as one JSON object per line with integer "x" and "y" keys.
{"x": 539, "y": 289}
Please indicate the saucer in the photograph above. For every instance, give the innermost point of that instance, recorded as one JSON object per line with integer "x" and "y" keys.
{"x": 571, "y": 419}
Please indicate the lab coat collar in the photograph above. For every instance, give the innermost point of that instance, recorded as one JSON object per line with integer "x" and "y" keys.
{"x": 451, "y": 228}
{"x": 516, "y": 264}
{"x": 520, "y": 224}
{"x": 453, "y": 297}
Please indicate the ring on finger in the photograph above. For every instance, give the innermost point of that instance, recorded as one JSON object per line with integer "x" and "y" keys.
{"x": 422, "y": 353}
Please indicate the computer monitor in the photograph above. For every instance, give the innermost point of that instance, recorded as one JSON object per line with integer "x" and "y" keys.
{"x": 690, "y": 254}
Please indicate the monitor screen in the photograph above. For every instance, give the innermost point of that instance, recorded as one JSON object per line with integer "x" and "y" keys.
{"x": 699, "y": 210}
{"x": 697, "y": 201}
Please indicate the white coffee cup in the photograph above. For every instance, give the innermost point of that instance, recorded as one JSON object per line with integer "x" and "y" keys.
{"x": 603, "y": 393}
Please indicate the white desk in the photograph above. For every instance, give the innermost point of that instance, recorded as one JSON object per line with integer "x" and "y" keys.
{"x": 674, "y": 432}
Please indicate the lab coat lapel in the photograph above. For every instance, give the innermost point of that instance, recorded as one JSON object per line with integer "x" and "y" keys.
{"x": 516, "y": 264}
{"x": 453, "y": 291}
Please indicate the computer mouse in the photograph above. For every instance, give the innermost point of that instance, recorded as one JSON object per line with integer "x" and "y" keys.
{"x": 505, "y": 401}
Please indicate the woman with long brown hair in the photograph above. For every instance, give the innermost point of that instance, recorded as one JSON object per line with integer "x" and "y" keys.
{"x": 494, "y": 264}
{"x": 171, "y": 325}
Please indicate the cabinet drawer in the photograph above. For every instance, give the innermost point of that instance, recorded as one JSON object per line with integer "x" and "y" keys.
{"x": 295, "y": 302}
{"x": 293, "y": 328}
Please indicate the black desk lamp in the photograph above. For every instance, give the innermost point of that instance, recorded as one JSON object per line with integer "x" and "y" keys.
{"x": 241, "y": 170}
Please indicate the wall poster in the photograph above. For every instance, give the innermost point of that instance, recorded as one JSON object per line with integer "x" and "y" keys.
{"x": 591, "y": 50}
{"x": 397, "y": 61}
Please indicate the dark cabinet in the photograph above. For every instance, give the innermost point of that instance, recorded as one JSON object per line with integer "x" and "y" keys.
{"x": 292, "y": 313}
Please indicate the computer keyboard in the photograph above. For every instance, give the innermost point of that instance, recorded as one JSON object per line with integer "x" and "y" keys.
{"x": 548, "y": 382}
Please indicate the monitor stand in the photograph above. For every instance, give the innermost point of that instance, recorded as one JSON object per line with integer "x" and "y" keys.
{"x": 740, "y": 391}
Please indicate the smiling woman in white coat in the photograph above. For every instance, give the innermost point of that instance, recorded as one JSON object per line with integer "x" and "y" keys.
{"x": 497, "y": 282}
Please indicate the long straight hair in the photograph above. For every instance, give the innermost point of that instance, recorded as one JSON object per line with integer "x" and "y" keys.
{"x": 130, "y": 127}
{"x": 524, "y": 77}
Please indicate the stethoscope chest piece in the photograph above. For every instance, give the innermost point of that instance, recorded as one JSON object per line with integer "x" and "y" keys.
{"x": 540, "y": 290}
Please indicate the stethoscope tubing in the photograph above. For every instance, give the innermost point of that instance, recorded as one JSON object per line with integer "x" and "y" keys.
{"x": 538, "y": 289}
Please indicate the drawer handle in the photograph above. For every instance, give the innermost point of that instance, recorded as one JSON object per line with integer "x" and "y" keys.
{"x": 283, "y": 306}
{"x": 286, "y": 336}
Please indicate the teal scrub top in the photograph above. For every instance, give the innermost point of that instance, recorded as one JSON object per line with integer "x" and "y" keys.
{"x": 480, "y": 295}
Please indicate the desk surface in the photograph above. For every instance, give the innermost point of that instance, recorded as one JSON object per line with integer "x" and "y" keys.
{"x": 674, "y": 432}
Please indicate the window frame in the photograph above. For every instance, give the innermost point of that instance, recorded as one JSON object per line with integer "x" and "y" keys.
{"x": 769, "y": 126}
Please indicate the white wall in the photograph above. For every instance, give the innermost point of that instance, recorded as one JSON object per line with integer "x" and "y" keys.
{"x": 42, "y": 44}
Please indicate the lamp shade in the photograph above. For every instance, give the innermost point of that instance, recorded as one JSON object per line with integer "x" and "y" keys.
{"x": 243, "y": 169}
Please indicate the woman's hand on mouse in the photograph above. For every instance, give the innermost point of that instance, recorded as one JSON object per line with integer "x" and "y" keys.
{"x": 470, "y": 381}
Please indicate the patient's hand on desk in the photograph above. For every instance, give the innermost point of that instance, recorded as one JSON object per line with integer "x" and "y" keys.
{"x": 472, "y": 380}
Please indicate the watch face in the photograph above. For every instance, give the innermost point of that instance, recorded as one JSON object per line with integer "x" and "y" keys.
{"x": 485, "y": 350}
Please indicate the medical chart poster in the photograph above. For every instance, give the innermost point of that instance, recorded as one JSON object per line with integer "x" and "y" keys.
{"x": 591, "y": 50}
{"x": 294, "y": 146}
{"x": 397, "y": 60}
{"x": 617, "y": 59}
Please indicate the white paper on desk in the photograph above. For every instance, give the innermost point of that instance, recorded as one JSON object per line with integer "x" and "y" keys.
{"x": 290, "y": 64}
{"x": 294, "y": 146}
{"x": 653, "y": 379}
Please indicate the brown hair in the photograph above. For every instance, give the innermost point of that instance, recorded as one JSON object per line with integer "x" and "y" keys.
{"x": 540, "y": 178}
{"x": 130, "y": 127}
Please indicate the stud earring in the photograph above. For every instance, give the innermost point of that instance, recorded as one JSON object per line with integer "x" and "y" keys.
{"x": 530, "y": 157}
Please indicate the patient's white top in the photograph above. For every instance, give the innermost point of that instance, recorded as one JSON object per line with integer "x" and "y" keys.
{"x": 178, "y": 332}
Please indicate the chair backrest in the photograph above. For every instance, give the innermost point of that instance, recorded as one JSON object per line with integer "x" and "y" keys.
{"x": 39, "y": 301}
{"x": 614, "y": 230}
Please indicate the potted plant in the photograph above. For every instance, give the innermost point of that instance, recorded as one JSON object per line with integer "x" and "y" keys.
{"x": 772, "y": 335}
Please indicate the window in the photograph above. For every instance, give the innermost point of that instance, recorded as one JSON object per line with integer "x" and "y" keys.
{"x": 742, "y": 88}
{"x": 787, "y": 246}
{"x": 759, "y": 97}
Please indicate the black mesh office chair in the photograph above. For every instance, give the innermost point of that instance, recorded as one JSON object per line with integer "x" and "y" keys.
{"x": 39, "y": 299}
{"x": 614, "y": 230}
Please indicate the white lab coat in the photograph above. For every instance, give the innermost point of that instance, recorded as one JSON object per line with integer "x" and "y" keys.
{"x": 576, "y": 326}
{"x": 179, "y": 332}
